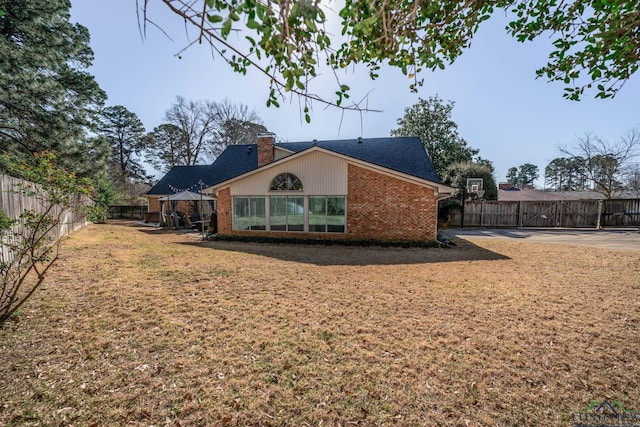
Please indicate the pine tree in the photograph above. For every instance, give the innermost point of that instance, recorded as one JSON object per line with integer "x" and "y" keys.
{"x": 47, "y": 101}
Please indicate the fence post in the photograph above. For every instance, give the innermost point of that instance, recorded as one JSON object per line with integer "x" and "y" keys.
{"x": 520, "y": 203}
{"x": 560, "y": 213}
{"x": 464, "y": 196}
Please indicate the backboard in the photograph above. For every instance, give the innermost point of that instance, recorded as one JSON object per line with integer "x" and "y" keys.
{"x": 475, "y": 188}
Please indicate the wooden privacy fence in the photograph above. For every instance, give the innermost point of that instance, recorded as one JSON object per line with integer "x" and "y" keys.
{"x": 13, "y": 203}
{"x": 548, "y": 213}
{"x": 127, "y": 212}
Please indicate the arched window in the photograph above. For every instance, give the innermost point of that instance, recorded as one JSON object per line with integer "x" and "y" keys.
{"x": 286, "y": 182}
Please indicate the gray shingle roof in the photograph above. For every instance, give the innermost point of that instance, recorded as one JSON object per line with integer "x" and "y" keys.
{"x": 402, "y": 154}
{"x": 234, "y": 161}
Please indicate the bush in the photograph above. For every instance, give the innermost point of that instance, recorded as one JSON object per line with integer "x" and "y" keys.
{"x": 330, "y": 242}
{"x": 98, "y": 214}
{"x": 446, "y": 209}
{"x": 29, "y": 242}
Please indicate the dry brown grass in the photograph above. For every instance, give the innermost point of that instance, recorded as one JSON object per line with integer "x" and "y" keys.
{"x": 140, "y": 327}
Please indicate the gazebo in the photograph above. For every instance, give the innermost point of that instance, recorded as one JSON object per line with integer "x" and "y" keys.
{"x": 178, "y": 197}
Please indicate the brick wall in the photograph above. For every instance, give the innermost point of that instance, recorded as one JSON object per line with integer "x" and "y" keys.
{"x": 184, "y": 206}
{"x": 265, "y": 148}
{"x": 225, "y": 215}
{"x": 386, "y": 208}
{"x": 153, "y": 203}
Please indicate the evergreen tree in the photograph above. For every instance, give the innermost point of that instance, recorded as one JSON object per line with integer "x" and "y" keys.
{"x": 527, "y": 174}
{"x": 523, "y": 175}
{"x": 47, "y": 101}
{"x": 166, "y": 147}
{"x": 605, "y": 162}
{"x": 512, "y": 176}
{"x": 125, "y": 133}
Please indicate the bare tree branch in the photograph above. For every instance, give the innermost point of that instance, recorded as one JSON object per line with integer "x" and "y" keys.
{"x": 605, "y": 162}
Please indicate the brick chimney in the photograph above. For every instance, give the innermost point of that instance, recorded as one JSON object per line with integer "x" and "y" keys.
{"x": 266, "y": 142}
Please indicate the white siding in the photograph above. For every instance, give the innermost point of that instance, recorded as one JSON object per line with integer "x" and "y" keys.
{"x": 279, "y": 153}
{"x": 320, "y": 173}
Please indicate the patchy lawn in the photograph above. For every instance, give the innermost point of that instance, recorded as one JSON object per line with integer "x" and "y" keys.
{"x": 141, "y": 327}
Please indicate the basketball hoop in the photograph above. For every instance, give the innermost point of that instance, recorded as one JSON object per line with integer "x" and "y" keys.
{"x": 475, "y": 187}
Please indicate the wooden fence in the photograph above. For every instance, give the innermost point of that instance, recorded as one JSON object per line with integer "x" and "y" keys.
{"x": 547, "y": 213}
{"x": 127, "y": 212}
{"x": 13, "y": 202}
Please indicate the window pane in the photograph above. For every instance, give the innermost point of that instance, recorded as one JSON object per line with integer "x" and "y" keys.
{"x": 258, "y": 215}
{"x": 317, "y": 214}
{"x": 286, "y": 182}
{"x": 295, "y": 213}
{"x": 240, "y": 213}
{"x": 335, "y": 214}
{"x": 278, "y": 213}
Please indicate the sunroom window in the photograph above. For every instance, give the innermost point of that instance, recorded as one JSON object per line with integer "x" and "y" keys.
{"x": 286, "y": 213}
{"x": 326, "y": 214}
{"x": 249, "y": 213}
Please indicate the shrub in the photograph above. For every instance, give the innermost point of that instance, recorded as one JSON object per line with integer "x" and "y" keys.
{"x": 446, "y": 209}
{"x": 29, "y": 241}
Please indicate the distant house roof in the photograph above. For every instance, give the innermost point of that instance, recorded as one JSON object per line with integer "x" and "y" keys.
{"x": 401, "y": 154}
{"x": 528, "y": 194}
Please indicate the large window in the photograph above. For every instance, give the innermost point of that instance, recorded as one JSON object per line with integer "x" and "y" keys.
{"x": 327, "y": 214}
{"x": 249, "y": 213}
{"x": 316, "y": 214}
{"x": 286, "y": 213}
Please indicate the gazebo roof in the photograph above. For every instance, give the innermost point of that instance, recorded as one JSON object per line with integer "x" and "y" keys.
{"x": 186, "y": 195}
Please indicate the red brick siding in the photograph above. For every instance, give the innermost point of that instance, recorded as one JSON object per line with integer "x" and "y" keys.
{"x": 265, "y": 150}
{"x": 381, "y": 207}
{"x": 184, "y": 206}
{"x": 153, "y": 204}
{"x": 225, "y": 215}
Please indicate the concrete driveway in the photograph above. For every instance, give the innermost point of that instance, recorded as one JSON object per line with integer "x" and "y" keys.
{"x": 609, "y": 238}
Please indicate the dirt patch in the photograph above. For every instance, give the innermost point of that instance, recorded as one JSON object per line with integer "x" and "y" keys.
{"x": 142, "y": 327}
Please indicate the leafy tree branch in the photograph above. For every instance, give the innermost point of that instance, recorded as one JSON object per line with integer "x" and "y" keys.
{"x": 596, "y": 44}
{"x": 291, "y": 34}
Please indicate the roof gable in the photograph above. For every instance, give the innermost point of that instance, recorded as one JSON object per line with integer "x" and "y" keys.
{"x": 401, "y": 154}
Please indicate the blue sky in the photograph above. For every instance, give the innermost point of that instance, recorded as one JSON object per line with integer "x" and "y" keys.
{"x": 500, "y": 107}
